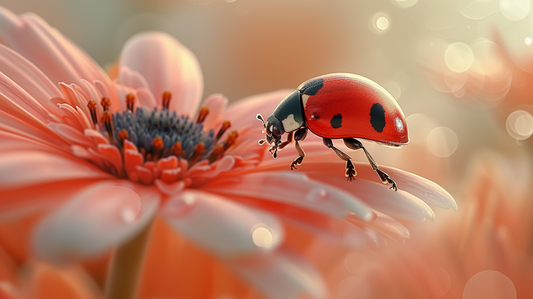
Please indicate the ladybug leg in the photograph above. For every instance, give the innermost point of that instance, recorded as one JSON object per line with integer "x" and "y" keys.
{"x": 355, "y": 145}
{"x": 285, "y": 143}
{"x": 300, "y": 135}
{"x": 350, "y": 169}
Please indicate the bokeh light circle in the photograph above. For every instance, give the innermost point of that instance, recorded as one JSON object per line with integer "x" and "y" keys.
{"x": 519, "y": 124}
{"x": 380, "y": 23}
{"x": 489, "y": 284}
{"x": 355, "y": 263}
{"x": 262, "y": 236}
{"x": 404, "y": 3}
{"x": 420, "y": 126}
{"x": 459, "y": 57}
{"x": 515, "y": 10}
{"x": 442, "y": 142}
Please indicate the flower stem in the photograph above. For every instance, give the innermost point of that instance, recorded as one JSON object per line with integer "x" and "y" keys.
{"x": 125, "y": 267}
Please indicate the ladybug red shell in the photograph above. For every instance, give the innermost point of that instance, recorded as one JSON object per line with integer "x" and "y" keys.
{"x": 338, "y": 106}
{"x": 346, "y": 105}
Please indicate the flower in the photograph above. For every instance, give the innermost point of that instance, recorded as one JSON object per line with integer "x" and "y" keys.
{"x": 102, "y": 157}
{"x": 484, "y": 251}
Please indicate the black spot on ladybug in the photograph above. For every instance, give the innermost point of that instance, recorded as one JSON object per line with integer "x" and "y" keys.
{"x": 315, "y": 116}
{"x": 377, "y": 117}
{"x": 336, "y": 121}
{"x": 312, "y": 87}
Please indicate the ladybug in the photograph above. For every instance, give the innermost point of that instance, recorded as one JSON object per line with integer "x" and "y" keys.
{"x": 337, "y": 106}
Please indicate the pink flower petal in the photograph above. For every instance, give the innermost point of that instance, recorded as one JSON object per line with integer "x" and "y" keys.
{"x": 27, "y": 200}
{"x": 132, "y": 78}
{"x": 132, "y": 82}
{"x": 221, "y": 226}
{"x": 385, "y": 225}
{"x": 50, "y": 51}
{"x": 24, "y": 162}
{"x": 16, "y": 126}
{"x": 216, "y": 104}
{"x": 428, "y": 191}
{"x": 17, "y": 102}
{"x": 171, "y": 67}
{"x": 369, "y": 189}
{"x": 281, "y": 276}
{"x": 97, "y": 218}
{"x": 295, "y": 189}
{"x": 244, "y": 111}
{"x": 27, "y": 76}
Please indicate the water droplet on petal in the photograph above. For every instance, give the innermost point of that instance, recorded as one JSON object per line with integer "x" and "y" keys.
{"x": 317, "y": 195}
{"x": 181, "y": 205}
{"x": 262, "y": 236}
{"x": 128, "y": 214}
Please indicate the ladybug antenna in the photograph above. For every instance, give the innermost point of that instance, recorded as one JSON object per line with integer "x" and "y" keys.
{"x": 260, "y": 117}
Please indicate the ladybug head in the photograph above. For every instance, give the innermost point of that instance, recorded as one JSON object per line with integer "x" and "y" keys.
{"x": 273, "y": 130}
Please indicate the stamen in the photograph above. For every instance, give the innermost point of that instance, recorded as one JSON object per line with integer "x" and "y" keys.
{"x": 92, "y": 109}
{"x": 157, "y": 146}
{"x": 107, "y": 118}
{"x": 216, "y": 153}
{"x": 220, "y": 149}
{"x": 232, "y": 137}
{"x": 130, "y": 101}
{"x": 176, "y": 149}
{"x": 122, "y": 135}
{"x": 160, "y": 133}
{"x": 105, "y": 102}
{"x": 167, "y": 95}
{"x": 225, "y": 126}
{"x": 202, "y": 114}
{"x": 199, "y": 149}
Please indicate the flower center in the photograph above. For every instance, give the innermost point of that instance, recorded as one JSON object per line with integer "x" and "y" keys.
{"x": 160, "y": 133}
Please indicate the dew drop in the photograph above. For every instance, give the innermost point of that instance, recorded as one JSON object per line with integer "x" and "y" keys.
{"x": 317, "y": 195}
{"x": 182, "y": 205}
{"x": 128, "y": 214}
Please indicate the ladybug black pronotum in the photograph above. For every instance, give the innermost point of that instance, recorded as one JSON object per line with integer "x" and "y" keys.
{"x": 337, "y": 106}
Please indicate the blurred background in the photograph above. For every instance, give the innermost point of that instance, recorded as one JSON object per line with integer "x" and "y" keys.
{"x": 460, "y": 69}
